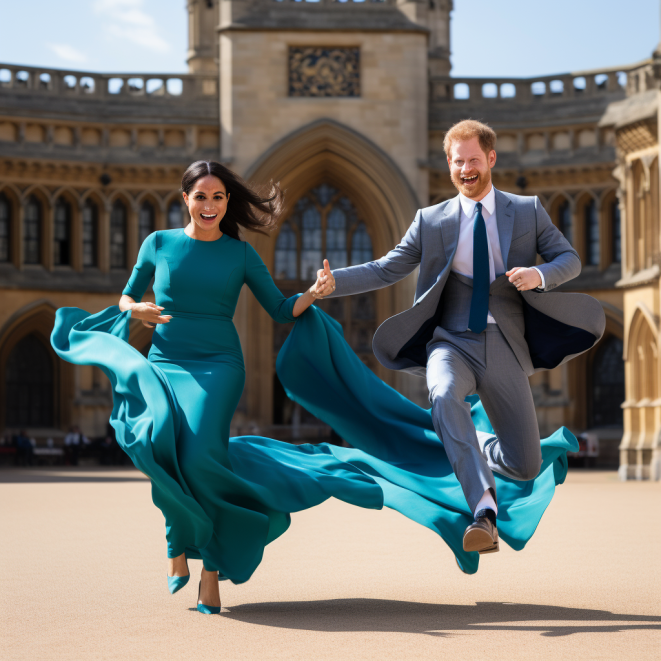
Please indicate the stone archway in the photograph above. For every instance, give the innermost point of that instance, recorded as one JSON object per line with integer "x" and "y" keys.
{"x": 327, "y": 152}
{"x": 639, "y": 450}
{"x": 35, "y": 321}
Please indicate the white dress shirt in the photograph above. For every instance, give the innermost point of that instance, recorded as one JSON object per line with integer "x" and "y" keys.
{"x": 463, "y": 257}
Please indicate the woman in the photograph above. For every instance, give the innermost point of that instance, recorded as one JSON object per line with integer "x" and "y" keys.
{"x": 225, "y": 499}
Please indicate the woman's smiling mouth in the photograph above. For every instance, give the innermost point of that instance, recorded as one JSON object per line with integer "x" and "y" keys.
{"x": 208, "y": 216}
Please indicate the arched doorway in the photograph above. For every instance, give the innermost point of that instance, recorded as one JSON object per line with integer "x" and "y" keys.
{"x": 608, "y": 383}
{"x": 324, "y": 223}
{"x": 29, "y": 380}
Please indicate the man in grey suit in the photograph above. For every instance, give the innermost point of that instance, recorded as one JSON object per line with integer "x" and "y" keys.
{"x": 484, "y": 319}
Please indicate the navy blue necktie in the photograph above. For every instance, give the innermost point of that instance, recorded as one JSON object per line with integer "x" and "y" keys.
{"x": 477, "y": 321}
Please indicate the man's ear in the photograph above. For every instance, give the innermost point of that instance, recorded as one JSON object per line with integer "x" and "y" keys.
{"x": 492, "y": 158}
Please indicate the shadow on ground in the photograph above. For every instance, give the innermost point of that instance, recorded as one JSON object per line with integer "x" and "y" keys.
{"x": 65, "y": 474}
{"x": 378, "y": 615}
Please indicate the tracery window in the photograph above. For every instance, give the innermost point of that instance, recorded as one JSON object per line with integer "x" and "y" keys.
{"x": 592, "y": 244}
{"x": 565, "y": 220}
{"x": 5, "y": 229}
{"x": 62, "y": 233}
{"x": 90, "y": 234}
{"x": 118, "y": 222}
{"x": 323, "y": 224}
{"x": 29, "y": 385}
{"x": 145, "y": 221}
{"x": 175, "y": 217}
{"x": 32, "y": 231}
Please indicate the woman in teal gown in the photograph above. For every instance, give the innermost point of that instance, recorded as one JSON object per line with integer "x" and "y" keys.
{"x": 224, "y": 499}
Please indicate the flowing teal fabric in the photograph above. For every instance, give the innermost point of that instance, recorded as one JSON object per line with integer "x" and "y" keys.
{"x": 224, "y": 499}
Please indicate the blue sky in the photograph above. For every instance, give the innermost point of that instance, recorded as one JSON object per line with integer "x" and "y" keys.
{"x": 489, "y": 37}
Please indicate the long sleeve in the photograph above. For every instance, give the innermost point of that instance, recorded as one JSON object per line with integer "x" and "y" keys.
{"x": 396, "y": 265}
{"x": 143, "y": 271}
{"x": 262, "y": 286}
{"x": 562, "y": 261}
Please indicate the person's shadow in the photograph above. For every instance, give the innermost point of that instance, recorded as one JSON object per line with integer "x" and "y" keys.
{"x": 382, "y": 615}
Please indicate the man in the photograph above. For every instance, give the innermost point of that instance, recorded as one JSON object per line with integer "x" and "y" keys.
{"x": 72, "y": 444}
{"x": 482, "y": 321}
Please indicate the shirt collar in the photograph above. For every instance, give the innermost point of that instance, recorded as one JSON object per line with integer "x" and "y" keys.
{"x": 488, "y": 203}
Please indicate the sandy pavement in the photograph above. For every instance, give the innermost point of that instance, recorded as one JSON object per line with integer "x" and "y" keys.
{"x": 83, "y": 577}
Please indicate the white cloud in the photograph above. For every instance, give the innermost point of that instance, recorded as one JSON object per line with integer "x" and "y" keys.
{"x": 128, "y": 21}
{"x": 68, "y": 53}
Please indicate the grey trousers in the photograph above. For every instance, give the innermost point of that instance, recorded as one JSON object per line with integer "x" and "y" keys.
{"x": 464, "y": 363}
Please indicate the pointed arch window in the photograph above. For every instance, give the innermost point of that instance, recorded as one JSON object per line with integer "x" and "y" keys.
{"x": 175, "y": 216}
{"x": 5, "y": 229}
{"x": 32, "y": 231}
{"x": 62, "y": 233}
{"x": 592, "y": 243}
{"x": 145, "y": 221}
{"x": 608, "y": 383}
{"x": 29, "y": 385}
{"x": 616, "y": 232}
{"x": 323, "y": 224}
{"x": 118, "y": 222}
{"x": 565, "y": 220}
{"x": 90, "y": 234}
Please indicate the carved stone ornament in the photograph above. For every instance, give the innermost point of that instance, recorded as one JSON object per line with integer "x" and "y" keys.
{"x": 315, "y": 71}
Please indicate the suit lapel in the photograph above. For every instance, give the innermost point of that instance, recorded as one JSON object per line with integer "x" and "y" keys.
{"x": 505, "y": 222}
{"x": 450, "y": 222}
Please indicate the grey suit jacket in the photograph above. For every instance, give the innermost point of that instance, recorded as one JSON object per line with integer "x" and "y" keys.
{"x": 556, "y": 326}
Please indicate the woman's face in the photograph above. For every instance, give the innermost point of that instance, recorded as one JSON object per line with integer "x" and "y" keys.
{"x": 207, "y": 203}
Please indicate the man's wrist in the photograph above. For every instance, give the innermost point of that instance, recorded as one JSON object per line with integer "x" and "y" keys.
{"x": 542, "y": 284}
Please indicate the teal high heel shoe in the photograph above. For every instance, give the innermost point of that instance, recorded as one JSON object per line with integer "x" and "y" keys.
{"x": 203, "y": 608}
{"x": 175, "y": 583}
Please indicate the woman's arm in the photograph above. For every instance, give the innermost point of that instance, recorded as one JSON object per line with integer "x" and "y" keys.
{"x": 281, "y": 309}
{"x": 149, "y": 313}
{"x": 143, "y": 272}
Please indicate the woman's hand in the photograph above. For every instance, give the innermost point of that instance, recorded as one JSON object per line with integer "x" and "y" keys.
{"x": 325, "y": 284}
{"x": 148, "y": 313}
{"x": 524, "y": 279}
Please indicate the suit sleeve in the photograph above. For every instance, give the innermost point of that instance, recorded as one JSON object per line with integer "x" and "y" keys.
{"x": 261, "y": 284}
{"x": 396, "y": 265}
{"x": 143, "y": 271}
{"x": 562, "y": 261}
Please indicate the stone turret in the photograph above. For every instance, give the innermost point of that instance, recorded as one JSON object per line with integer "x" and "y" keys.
{"x": 203, "y": 18}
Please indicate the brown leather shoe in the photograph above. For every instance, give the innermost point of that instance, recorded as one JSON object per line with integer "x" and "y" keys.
{"x": 481, "y": 536}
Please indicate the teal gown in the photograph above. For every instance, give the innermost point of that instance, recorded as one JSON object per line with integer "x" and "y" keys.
{"x": 224, "y": 499}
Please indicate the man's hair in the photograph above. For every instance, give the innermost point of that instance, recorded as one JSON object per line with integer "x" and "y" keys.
{"x": 467, "y": 130}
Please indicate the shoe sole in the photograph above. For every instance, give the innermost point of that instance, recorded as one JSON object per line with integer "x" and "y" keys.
{"x": 480, "y": 541}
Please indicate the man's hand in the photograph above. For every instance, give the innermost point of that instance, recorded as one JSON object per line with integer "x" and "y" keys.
{"x": 325, "y": 283}
{"x": 524, "y": 279}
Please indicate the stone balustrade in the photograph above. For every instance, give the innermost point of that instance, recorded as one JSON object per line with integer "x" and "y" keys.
{"x": 44, "y": 81}
{"x": 528, "y": 90}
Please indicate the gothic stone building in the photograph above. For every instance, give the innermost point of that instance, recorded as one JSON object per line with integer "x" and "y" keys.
{"x": 346, "y": 104}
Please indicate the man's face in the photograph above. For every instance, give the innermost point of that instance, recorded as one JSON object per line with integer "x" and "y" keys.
{"x": 470, "y": 168}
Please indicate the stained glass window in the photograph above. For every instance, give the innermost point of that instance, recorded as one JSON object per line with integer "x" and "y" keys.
{"x": 565, "y": 220}
{"x": 175, "y": 217}
{"x": 145, "y": 221}
{"x": 592, "y": 245}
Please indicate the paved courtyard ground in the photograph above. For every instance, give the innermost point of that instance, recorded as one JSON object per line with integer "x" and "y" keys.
{"x": 82, "y": 557}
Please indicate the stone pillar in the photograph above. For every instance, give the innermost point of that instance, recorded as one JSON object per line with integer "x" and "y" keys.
{"x": 203, "y": 16}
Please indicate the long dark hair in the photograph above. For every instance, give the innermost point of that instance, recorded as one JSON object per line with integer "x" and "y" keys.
{"x": 256, "y": 211}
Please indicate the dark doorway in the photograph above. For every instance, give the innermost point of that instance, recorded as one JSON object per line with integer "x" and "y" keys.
{"x": 608, "y": 384}
{"x": 29, "y": 385}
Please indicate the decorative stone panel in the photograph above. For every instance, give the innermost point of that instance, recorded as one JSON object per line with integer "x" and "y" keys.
{"x": 322, "y": 71}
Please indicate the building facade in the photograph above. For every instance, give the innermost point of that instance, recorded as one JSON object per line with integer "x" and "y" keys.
{"x": 346, "y": 105}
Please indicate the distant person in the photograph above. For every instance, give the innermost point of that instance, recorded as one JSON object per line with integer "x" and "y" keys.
{"x": 73, "y": 443}
{"x": 24, "y": 449}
